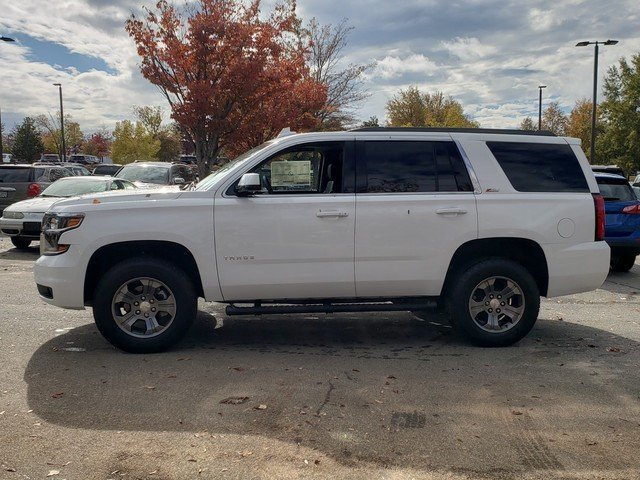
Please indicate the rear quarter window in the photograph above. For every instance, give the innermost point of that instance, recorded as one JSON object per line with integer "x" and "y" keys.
{"x": 539, "y": 167}
{"x": 14, "y": 175}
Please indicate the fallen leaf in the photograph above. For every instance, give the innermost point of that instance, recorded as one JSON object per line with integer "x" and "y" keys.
{"x": 53, "y": 472}
{"x": 317, "y": 462}
{"x": 261, "y": 407}
{"x": 245, "y": 453}
{"x": 10, "y": 469}
{"x": 378, "y": 401}
{"x": 355, "y": 370}
{"x": 150, "y": 387}
{"x": 234, "y": 400}
{"x": 391, "y": 377}
{"x": 192, "y": 460}
{"x": 516, "y": 412}
{"x": 237, "y": 369}
{"x": 591, "y": 345}
{"x": 153, "y": 473}
{"x": 57, "y": 395}
{"x": 591, "y": 443}
{"x": 613, "y": 349}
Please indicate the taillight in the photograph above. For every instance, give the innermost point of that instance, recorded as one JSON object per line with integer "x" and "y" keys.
{"x": 632, "y": 209}
{"x": 598, "y": 202}
{"x": 34, "y": 190}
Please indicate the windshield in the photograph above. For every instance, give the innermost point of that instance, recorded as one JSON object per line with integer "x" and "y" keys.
{"x": 70, "y": 187}
{"x": 145, "y": 173}
{"x": 233, "y": 164}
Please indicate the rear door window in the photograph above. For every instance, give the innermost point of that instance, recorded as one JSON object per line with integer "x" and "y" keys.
{"x": 615, "y": 190}
{"x": 538, "y": 167}
{"x": 411, "y": 167}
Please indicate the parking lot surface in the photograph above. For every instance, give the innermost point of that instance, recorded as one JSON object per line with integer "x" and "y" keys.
{"x": 320, "y": 396}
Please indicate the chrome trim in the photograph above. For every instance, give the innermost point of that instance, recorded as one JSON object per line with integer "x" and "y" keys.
{"x": 472, "y": 173}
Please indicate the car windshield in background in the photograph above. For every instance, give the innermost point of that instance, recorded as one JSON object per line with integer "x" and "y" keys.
{"x": 72, "y": 187}
{"x": 616, "y": 190}
{"x": 145, "y": 173}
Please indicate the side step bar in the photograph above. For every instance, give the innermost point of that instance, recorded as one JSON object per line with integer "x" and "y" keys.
{"x": 258, "y": 309}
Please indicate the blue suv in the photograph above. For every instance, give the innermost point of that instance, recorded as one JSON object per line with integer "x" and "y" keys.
{"x": 622, "y": 220}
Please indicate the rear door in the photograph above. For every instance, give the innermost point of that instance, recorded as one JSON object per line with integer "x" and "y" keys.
{"x": 415, "y": 205}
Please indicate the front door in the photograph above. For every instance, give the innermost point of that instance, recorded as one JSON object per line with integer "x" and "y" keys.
{"x": 295, "y": 238}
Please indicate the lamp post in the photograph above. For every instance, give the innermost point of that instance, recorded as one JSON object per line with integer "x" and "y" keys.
{"x": 4, "y": 39}
{"x": 540, "y": 87}
{"x": 592, "y": 157}
{"x": 64, "y": 147}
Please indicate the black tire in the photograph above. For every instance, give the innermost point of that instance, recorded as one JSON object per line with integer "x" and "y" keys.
{"x": 622, "y": 262}
{"x": 464, "y": 287}
{"x": 21, "y": 243}
{"x": 174, "y": 278}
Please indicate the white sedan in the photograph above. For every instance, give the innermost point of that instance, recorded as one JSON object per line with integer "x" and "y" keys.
{"x": 22, "y": 220}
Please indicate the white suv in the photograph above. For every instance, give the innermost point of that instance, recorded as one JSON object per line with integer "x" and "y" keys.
{"x": 480, "y": 222}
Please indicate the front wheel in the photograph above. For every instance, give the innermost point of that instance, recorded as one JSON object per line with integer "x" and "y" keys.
{"x": 622, "y": 262}
{"x": 21, "y": 243}
{"x": 494, "y": 303}
{"x": 144, "y": 306}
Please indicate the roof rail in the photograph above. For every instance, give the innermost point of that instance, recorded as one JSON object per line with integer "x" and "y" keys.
{"x": 495, "y": 131}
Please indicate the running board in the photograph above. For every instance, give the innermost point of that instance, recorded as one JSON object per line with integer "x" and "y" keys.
{"x": 330, "y": 308}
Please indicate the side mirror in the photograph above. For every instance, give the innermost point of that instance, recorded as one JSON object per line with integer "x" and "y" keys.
{"x": 178, "y": 181}
{"x": 248, "y": 185}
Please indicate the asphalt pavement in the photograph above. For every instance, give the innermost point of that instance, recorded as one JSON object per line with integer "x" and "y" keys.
{"x": 337, "y": 396}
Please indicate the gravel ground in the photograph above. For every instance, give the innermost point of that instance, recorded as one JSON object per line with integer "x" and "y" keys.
{"x": 320, "y": 396}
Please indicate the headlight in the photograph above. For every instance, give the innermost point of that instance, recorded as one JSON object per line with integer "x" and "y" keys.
{"x": 53, "y": 226}
{"x": 15, "y": 215}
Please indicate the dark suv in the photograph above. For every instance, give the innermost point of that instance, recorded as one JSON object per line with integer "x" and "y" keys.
{"x": 19, "y": 182}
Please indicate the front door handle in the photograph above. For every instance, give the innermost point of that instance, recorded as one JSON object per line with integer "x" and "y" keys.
{"x": 451, "y": 211}
{"x": 331, "y": 213}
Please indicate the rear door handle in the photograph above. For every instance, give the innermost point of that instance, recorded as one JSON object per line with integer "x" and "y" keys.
{"x": 331, "y": 213}
{"x": 451, "y": 211}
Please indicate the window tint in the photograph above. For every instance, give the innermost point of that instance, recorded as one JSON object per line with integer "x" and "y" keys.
{"x": 11, "y": 175}
{"x": 309, "y": 168}
{"x": 537, "y": 167}
{"x": 420, "y": 166}
{"x": 614, "y": 190}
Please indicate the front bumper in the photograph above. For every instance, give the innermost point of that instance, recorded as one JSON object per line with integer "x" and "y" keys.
{"x": 60, "y": 279}
{"x": 28, "y": 227}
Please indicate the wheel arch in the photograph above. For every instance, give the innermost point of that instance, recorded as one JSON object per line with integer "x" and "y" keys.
{"x": 108, "y": 255}
{"x": 524, "y": 251}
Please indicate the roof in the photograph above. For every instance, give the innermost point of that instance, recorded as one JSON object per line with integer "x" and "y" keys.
{"x": 611, "y": 176}
{"x": 155, "y": 164}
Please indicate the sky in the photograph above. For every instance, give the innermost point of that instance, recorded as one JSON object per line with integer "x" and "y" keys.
{"x": 490, "y": 55}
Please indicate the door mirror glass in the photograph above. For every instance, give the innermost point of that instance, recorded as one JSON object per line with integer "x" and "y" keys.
{"x": 249, "y": 183}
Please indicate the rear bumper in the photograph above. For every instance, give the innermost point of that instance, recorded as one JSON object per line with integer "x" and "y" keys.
{"x": 576, "y": 268}
{"x": 60, "y": 281}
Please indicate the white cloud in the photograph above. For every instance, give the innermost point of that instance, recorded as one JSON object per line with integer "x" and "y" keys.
{"x": 468, "y": 48}
{"x": 394, "y": 66}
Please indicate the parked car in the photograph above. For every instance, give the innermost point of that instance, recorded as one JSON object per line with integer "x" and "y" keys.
{"x": 614, "y": 169}
{"x": 622, "y": 227}
{"x": 18, "y": 182}
{"x": 83, "y": 159}
{"x": 636, "y": 186}
{"x": 50, "y": 157}
{"x": 6, "y": 158}
{"x": 22, "y": 220}
{"x": 107, "y": 169}
{"x": 153, "y": 174}
{"x": 77, "y": 169}
{"x": 483, "y": 222}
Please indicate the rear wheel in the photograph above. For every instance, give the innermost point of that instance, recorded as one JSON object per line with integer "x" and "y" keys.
{"x": 622, "y": 262}
{"x": 144, "y": 306}
{"x": 494, "y": 303}
{"x": 21, "y": 243}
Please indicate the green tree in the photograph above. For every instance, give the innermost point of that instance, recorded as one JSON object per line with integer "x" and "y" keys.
{"x": 27, "y": 145}
{"x": 372, "y": 122}
{"x": 620, "y": 141}
{"x": 554, "y": 119}
{"x": 168, "y": 136}
{"x": 133, "y": 142}
{"x": 50, "y": 126}
{"x": 411, "y": 108}
{"x": 150, "y": 117}
{"x": 527, "y": 124}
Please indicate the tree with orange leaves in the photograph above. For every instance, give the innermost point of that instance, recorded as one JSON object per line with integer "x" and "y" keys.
{"x": 232, "y": 78}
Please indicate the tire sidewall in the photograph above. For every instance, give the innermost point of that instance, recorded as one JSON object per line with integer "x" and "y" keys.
{"x": 180, "y": 285}
{"x": 467, "y": 280}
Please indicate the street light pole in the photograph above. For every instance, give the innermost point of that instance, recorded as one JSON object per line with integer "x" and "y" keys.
{"x": 64, "y": 147}
{"x": 4, "y": 39}
{"x": 540, "y": 87}
{"x": 592, "y": 156}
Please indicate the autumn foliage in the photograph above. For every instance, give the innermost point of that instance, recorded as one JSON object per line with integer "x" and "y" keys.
{"x": 233, "y": 77}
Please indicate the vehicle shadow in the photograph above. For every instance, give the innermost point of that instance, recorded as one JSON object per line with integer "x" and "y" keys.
{"x": 624, "y": 282}
{"x": 32, "y": 253}
{"x": 385, "y": 389}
